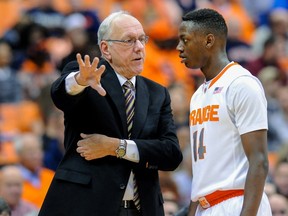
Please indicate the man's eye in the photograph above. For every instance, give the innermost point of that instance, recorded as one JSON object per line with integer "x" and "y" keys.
{"x": 130, "y": 41}
{"x": 185, "y": 41}
{"x": 142, "y": 40}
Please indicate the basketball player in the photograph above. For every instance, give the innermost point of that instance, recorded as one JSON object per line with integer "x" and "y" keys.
{"x": 228, "y": 124}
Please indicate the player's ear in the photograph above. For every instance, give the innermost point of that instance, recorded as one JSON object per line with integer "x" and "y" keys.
{"x": 209, "y": 41}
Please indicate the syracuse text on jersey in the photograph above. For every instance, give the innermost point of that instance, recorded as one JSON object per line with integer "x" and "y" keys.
{"x": 204, "y": 114}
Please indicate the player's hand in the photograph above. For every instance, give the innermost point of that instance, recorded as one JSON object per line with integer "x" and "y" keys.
{"x": 90, "y": 74}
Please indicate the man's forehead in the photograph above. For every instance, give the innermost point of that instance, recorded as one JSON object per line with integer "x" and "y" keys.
{"x": 125, "y": 20}
{"x": 127, "y": 25}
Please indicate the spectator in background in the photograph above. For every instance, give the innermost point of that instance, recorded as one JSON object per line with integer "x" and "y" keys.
{"x": 53, "y": 133}
{"x": 15, "y": 113}
{"x": 75, "y": 29}
{"x": 270, "y": 56}
{"x": 258, "y": 10}
{"x": 22, "y": 36}
{"x": 279, "y": 205}
{"x": 11, "y": 189}
{"x": 269, "y": 188}
{"x": 183, "y": 177}
{"x": 10, "y": 88}
{"x": 238, "y": 50}
{"x": 91, "y": 16}
{"x": 45, "y": 15}
{"x": 277, "y": 26}
{"x": 236, "y": 12}
{"x": 282, "y": 96}
{"x": 53, "y": 139}
{"x": 270, "y": 78}
{"x": 280, "y": 177}
{"x": 37, "y": 179}
{"x": 170, "y": 193}
{"x": 274, "y": 159}
{"x": 37, "y": 70}
{"x": 179, "y": 104}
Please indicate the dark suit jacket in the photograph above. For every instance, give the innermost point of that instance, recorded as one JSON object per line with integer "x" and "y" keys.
{"x": 96, "y": 188}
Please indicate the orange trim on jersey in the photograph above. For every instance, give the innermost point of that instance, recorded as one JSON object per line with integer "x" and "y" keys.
{"x": 218, "y": 197}
{"x": 221, "y": 73}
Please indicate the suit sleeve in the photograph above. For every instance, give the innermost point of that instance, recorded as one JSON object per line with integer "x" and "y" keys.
{"x": 60, "y": 97}
{"x": 163, "y": 152}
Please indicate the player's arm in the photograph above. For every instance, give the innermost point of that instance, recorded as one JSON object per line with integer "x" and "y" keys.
{"x": 255, "y": 147}
{"x": 193, "y": 208}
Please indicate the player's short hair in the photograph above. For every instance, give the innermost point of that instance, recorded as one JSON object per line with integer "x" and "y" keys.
{"x": 208, "y": 20}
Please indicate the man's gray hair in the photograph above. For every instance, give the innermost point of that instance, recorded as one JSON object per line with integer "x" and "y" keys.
{"x": 104, "y": 30}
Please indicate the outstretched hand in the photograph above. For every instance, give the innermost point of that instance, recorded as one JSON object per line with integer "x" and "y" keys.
{"x": 89, "y": 74}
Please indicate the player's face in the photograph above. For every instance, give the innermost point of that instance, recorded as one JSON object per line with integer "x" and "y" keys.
{"x": 191, "y": 46}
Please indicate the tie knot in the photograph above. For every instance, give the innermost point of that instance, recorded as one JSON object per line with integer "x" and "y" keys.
{"x": 128, "y": 85}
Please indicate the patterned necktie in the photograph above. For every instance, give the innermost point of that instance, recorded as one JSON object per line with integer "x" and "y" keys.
{"x": 129, "y": 102}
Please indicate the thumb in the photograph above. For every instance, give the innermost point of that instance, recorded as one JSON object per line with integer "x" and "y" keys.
{"x": 98, "y": 88}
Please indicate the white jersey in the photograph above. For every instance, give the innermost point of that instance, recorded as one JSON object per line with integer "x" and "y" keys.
{"x": 233, "y": 104}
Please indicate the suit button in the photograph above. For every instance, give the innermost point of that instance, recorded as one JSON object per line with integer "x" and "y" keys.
{"x": 122, "y": 186}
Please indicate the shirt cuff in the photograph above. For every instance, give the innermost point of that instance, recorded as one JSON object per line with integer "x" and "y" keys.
{"x": 132, "y": 153}
{"x": 71, "y": 85}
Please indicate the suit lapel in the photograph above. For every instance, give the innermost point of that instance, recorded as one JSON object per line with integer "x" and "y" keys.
{"x": 113, "y": 88}
{"x": 141, "y": 106}
{"x": 111, "y": 84}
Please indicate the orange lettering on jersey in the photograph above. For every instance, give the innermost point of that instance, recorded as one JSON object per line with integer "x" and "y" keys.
{"x": 198, "y": 117}
{"x": 214, "y": 113}
{"x": 204, "y": 114}
{"x": 206, "y": 111}
{"x": 192, "y": 117}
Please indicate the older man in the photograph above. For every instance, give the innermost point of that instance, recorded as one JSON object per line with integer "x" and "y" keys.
{"x": 119, "y": 130}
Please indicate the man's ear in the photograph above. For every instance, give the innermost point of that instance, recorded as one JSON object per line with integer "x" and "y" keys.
{"x": 210, "y": 39}
{"x": 105, "y": 50}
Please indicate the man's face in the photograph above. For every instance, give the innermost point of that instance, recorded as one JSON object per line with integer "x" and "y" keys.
{"x": 279, "y": 205}
{"x": 127, "y": 59}
{"x": 11, "y": 186}
{"x": 191, "y": 46}
{"x": 31, "y": 155}
{"x": 281, "y": 178}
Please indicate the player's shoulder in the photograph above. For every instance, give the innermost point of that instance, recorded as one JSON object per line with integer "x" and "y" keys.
{"x": 237, "y": 70}
{"x": 237, "y": 74}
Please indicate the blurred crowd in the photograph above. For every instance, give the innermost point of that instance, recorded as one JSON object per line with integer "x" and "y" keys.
{"x": 37, "y": 39}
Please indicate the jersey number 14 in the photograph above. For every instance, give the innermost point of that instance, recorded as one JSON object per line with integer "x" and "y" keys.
{"x": 198, "y": 146}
